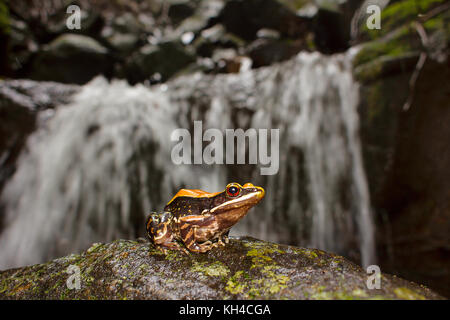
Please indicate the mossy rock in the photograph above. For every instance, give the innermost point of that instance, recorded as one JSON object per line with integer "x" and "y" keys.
{"x": 4, "y": 18}
{"x": 398, "y": 13}
{"x": 397, "y": 45}
{"x": 246, "y": 268}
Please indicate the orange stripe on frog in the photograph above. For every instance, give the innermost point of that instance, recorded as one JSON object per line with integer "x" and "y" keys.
{"x": 197, "y": 193}
{"x": 194, "y": 193}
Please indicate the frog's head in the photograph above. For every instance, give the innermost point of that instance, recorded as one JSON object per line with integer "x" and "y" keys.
{"x": 229, "y": 206}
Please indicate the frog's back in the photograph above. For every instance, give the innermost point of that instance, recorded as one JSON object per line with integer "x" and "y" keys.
{"x": 186, "y": 204}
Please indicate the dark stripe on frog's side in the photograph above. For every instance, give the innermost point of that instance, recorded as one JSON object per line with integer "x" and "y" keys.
{"x": 189, "y": 206}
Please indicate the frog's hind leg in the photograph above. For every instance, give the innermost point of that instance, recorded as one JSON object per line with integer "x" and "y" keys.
{"x": 188, "y": 237}
{"x": 188, "y": 226}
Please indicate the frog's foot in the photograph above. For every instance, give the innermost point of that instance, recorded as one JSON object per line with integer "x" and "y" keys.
{"x": 171, "y": 245}
{"x": 168, "y": 251}
{"x": 220, "y": 242}
{"x": 200, "y": 247}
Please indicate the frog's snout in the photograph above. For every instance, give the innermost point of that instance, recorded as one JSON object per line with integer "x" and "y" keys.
{"x": 261, "y": 191}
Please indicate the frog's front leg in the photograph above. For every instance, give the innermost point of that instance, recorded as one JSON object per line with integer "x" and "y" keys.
{"x": 223, "y": 239}
{"x": 159, "y": 232}
{"x": 188, "y": 226}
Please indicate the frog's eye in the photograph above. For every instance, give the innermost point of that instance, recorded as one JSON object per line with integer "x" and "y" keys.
{"x": 233, "y": 190}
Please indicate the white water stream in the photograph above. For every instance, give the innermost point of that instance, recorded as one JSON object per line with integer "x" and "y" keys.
{"x": 100, "y": 164}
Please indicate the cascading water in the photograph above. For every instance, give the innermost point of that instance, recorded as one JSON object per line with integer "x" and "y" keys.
{"x": 100, "y": 164}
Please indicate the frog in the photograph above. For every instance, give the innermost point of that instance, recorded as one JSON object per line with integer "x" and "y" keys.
{"x": 197, "y": 221}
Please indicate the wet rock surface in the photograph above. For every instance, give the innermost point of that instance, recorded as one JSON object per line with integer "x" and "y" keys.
{"x": 246, "y": 268}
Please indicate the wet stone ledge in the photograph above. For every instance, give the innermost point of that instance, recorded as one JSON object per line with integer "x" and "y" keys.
{"x": 246, "y": 268}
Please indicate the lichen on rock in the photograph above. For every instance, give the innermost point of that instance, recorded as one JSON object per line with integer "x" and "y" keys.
{"x": 246, "y": 268}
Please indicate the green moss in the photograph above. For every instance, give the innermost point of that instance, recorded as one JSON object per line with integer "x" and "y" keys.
{"x": 4, "y": 18}
{"x": 273, "y": 281}
{"x": 216, "y": 269}
{"x": 234, "y": 286}
{"x": 376, "y": 59}
{"x": 3, "y": 286}
{"x": 375, "y": 49}
{"x": 398, "y": 42}
{"x": 232, "y": 276}
{"x": 269, "y": 284}
{"x": 259, "y": 253}
{"x": 359, "y": 293}
{"x": 172, "y": 255}
{"x": 94, "y": 248}
{"x": 407, "y": 294}
{"x": 319, "y": 293}
{"x": 401, "y": 12}
{"x": 265, "y": 280}
{"x": 144, "y": 267}
{"x": 330, "y": 295}
{"x": 309, "y": 253}
{"x": 267, "y": 247}
{"x": 295, "y": 5}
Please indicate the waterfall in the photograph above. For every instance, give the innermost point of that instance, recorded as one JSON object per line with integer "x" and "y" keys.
{"x": 96, "y": 168}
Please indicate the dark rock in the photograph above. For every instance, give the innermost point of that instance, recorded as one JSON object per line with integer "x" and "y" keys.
{"x": 127, "y": 23}
{"x": 22, "y": 47}
{"x": 71, "y": 58}
{"x": 4, "y": 38}
{"x": 331, "y": 31}
{"x": 180, "y": 10}
{"x": 164, "y": 59}
{"x": 405, "y": 145}
{"x": 245, "y": 18}
{"x": 214, "y": 38}
{"x": 126, "y": 33}
{"x": 264, "y": 52}
{"x": 385, "y": 66}
{"x": 204, "y": 17}
{"x": 411, "y": 156}
{"x": 123, "y": 43}
{"x": 245, "y": 269}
